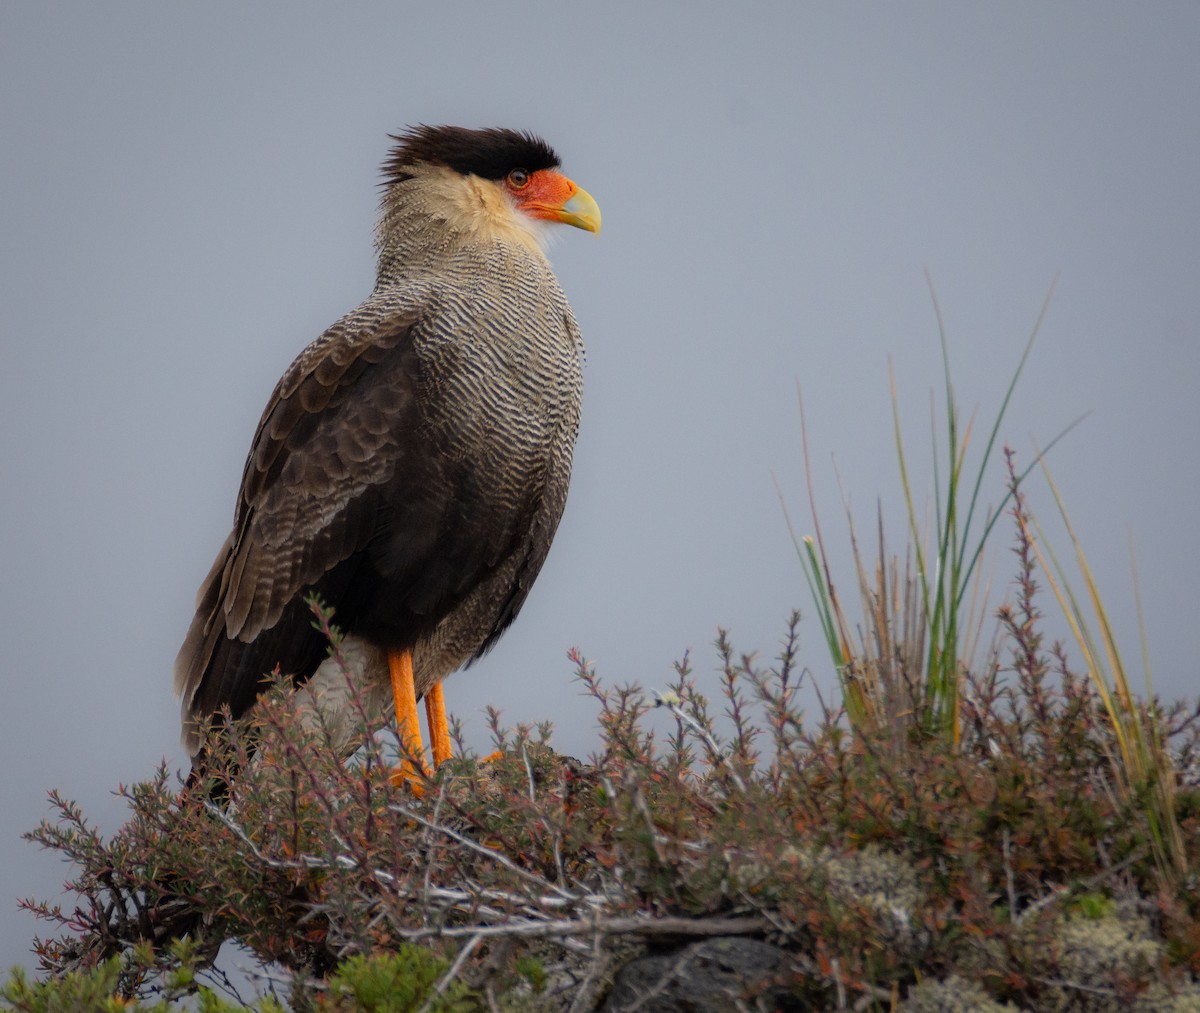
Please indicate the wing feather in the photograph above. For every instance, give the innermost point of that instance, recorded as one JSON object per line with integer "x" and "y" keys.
{"x": 309, "y": 493}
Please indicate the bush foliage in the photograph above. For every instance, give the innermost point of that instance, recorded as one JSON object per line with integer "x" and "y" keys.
{"x": 839, "y": 870}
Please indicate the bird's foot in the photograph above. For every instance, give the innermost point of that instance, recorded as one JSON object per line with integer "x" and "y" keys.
{"x": 412, "y": 771}
{"x": 407, "y": 774}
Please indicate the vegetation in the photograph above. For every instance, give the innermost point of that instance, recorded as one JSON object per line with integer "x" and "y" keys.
{"x": 967, "y": 831}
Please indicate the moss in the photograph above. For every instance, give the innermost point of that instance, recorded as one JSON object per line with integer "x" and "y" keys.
{"x": 99, "y": 990}
{"x": 1111, "y": 964}
{"x": 883, "y": 884}
{"x": 954, "y": 995}
{"x": 398, "y": 982}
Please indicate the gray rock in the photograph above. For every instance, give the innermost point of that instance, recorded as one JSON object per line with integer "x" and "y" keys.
{"x": 712, "y": 976}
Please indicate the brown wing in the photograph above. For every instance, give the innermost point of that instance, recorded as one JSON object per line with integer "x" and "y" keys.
{"x": 329, "y": 441}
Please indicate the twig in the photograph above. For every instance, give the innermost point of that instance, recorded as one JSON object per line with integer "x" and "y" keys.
{"x": 302, "y": 862}
{"x": 478, "y": 848}
{"x": 451, "y": 973}
{"x": 1078, "y": 986}
{"x": 835, "y": 964}
{"x": 528, "y": 772}
{"x": 1006, "y": 848}
{"x": 635, "y": 925}
{"x": 659, "y": 988}
{"x": 584, "y": 997}
{"x": 1086, "y": 884}
{"x": 671, "y": 703}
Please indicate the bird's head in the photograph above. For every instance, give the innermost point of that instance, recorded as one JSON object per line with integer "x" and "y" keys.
{"x": 479, "y": 183}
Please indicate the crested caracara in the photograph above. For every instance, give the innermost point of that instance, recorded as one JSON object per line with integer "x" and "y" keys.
{"x": 412, "y": 464}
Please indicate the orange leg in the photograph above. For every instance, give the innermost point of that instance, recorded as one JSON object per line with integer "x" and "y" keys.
{"x": 404, "y": 691}
{"x": 439, "y": 727}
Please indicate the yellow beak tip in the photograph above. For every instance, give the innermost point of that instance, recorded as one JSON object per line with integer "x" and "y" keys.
{"x": 582, "y": 211}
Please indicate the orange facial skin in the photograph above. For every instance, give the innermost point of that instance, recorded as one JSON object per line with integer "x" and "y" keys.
{"x": 550, "y": 195}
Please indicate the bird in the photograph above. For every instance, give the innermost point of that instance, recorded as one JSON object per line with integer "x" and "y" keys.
{"x": 412, "y": 464}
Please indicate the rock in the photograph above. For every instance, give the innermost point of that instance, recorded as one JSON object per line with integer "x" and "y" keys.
{"x": 705, "y": 977}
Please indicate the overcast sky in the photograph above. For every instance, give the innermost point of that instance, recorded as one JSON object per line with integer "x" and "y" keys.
{"x": 187, "y": 196}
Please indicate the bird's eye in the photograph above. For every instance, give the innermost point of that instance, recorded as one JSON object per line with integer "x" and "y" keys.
{"x": 518, "y": 179}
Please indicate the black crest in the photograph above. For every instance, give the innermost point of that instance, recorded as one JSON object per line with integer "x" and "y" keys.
{"x": 492, "y": 153}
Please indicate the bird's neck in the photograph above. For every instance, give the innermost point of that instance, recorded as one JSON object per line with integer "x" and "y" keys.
{"x": 439, "y": 218}
{"x": 414, "y": 251}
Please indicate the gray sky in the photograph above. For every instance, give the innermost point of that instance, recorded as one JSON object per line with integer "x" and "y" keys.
{"x": 187, "y": 195}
